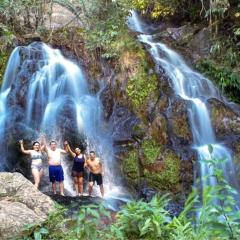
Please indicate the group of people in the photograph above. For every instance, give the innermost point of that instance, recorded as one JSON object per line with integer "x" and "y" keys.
{"x": 56, "y": 175}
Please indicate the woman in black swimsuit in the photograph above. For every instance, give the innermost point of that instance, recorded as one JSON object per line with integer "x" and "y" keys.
{"x": 78, "y": 168}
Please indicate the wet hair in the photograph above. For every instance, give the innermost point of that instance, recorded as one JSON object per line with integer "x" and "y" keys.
{"x": 92, "y": 152}
{"x": 52, "y": 142}
{"x": 35, "y": 142}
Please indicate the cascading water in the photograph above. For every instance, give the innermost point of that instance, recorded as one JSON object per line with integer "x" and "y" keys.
{"x": 196, "y": 89}
{"x": 58, "y": 98}
{"x": 9, "y": 76}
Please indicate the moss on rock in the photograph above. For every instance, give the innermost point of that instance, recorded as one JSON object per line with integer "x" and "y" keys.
{"x": 151, "y": 151}
{"x": 225, "y": 121}
{"x": 158, "y": 129}
{"x": 180, "y": 124}
{"x": 160, "y": 169}
{"x": 130, "y": 167}
{"x": 3, "y": 63}
{"x": 164, "y": 175}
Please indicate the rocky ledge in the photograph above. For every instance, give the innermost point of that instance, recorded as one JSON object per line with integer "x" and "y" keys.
{"x": 20, "y": 204}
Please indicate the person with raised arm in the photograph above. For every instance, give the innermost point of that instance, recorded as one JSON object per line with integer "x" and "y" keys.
{"x": 36, "y": 157}
{"x": 95, "y": 167}
{"x": 78, "y": 168}
{"x": 55, "y": 165}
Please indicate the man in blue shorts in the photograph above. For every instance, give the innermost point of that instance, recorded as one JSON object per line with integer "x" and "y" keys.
{"x": 55, "y": 167}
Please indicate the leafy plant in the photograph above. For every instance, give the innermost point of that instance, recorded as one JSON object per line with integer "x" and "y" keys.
{"x": 144, "y": 220}
{"x": 224, "y": 77}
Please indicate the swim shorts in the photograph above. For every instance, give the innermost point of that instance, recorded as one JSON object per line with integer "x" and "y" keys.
{"x": 96, "y": 177}
{"x": 56, "y": 173}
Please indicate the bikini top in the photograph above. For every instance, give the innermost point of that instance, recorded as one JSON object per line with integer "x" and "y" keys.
{"x": 36, "y": 156}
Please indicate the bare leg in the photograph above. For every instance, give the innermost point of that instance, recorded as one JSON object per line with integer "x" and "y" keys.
{"x": 40, "y": 175}
{"x": 80, "y": 185}
{"x": 54, "y": 187}
{"x": 61, "y": 185}
{"x": 101, "y": 190}
{"x": 76, "y": 185}
{"x": 90, "y": 188}
{"x": 36, "y": 177}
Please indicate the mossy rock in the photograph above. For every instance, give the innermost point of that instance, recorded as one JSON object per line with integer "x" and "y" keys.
{"x": 159, "y": 168}
{"x": 225, "y": 121}
{"x": 180, "y": 124}
{"x": 237, "y": 160}
{"x": 164, "y": 175}
{"x": 158, "y": 129}
{"x": 138, "y": 79}
{"x": 130, "y": 167}
{"x": 151, "y": 150}
{"x": 4, "y": 56}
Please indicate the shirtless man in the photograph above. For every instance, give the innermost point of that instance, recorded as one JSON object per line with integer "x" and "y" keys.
{"x": 55, "y": 167}
{"x": 96, "y": 172}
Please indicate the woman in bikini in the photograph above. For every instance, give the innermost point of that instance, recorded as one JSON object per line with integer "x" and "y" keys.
{"x": 78, "y": 168}
{"x": 36, "y": 157}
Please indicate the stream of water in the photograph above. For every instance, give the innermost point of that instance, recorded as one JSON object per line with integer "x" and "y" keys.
{"x": 196, "y": 89}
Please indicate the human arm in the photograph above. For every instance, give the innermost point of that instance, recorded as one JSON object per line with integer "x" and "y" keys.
{"x": 86, "y": 165}
{"x": 68, "y": 149}
{"x": 102, "y": 167}
{"x": 43, "y": 145}
{"x": 22, "y": 148}
{"x": 64, "y": 151}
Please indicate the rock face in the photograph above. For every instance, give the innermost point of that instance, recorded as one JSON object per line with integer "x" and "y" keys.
{"x": 152, "y": 141}
{"x": 226, "y": 121}
{"x": 61, "y": 15}
{"x": 20, "y": 204}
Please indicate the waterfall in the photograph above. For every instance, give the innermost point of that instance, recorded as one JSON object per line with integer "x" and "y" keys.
{"x": 196, "y": 89}
{"x": 9, "y": 76}
{"x": 58, "y": 101}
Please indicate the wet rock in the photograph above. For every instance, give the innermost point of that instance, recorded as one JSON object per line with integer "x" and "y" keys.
{"x": 236, "y": 148}
{"x": 20, "y": 204}
{"x": 182, "y": 33}
{"x": 180, "y": 124}
{"x": 107, "y": 100}
{"x": 174, "y": 206}
{"x": 226, "y": 122}
{"x": 146, "y": 193}
{"x": 158, "y": 129}
{"x": 123, "y": 123}
{"x": 200, "y": 44}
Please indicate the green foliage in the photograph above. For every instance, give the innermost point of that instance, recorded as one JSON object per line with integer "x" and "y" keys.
{"x": 30, "y": 11}
{"x": 144, "y": 220}
{"x": 151, "y": 150}
{"x": 224, "y": 77}
{"x": 159, "y": 8}
{"x": 214, "y": 217}
{"x": 3, "y": 64}
{"x": 130, "y": 166}
{"x": 218, "y": 216}
{"x": 50, "y": 229}
{"x": 86, "y": 224}
{"x": 104, "y": 25}
{"x": 141, "y": 84}
{"x": 169, "y": 177}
